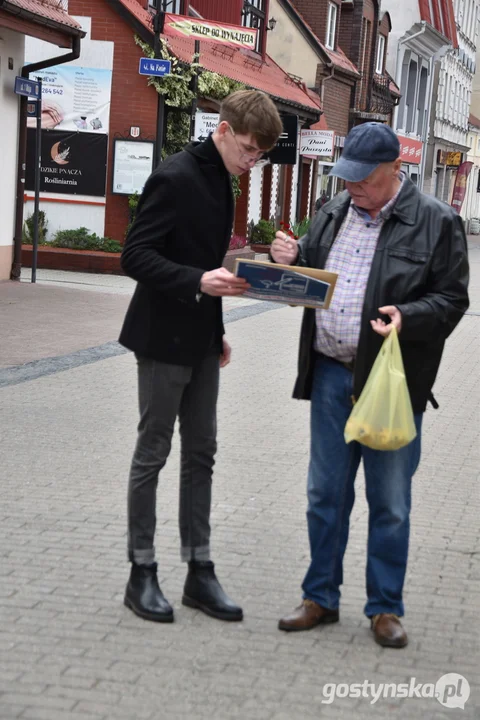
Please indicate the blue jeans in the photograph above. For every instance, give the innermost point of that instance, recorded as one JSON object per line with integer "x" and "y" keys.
{"x": 331, "y": 477}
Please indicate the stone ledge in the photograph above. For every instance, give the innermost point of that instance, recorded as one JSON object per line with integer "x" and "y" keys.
{"x": 96, "y": 261}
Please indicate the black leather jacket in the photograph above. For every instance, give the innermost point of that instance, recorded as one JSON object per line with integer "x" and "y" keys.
{"x": 420, "y": 266}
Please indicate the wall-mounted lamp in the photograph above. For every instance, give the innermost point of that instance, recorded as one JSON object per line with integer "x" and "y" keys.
{"x": 271, "y": 24}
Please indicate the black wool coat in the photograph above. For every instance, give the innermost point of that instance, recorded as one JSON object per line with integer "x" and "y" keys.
{"x": 182, "y": 229}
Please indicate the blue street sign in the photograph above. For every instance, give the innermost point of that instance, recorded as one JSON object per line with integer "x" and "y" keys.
{"x": 158, "y": 68}
{"x": 29, "y": 88}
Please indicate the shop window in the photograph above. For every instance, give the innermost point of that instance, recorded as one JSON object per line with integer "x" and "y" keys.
{"x": 253, "y": 16}
{"x": 331, "y": 26}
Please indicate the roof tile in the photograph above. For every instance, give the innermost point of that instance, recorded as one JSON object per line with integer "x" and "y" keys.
{"x": 48, "y": 10}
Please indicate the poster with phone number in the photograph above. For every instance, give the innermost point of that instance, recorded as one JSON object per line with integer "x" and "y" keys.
{"x": 75, "y": 98}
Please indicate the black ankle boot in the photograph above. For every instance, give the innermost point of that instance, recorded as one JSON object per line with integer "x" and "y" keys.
{"x": 144, "y": 597}
{"x": 203, "y": 591}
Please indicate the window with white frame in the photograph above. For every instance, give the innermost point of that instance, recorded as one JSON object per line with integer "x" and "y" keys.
{"x": 380, "y": 54}
{"x": 331, "y": 26}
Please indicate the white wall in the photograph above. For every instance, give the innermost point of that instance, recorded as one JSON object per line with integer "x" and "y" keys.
{"x": 71, "y": 215}
{"x": 255, "y": 195}
{"x": 11, "y": 46}
{"x": 403, "y": 16}
{"x": 289, "y": 48}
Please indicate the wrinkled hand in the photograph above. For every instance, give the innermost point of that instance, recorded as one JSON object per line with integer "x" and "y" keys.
{"x": 222, "y": 283}
{"x": 383, "y": 328}
{"x": 284, "y": 249}
{"x": 226, "y": 355}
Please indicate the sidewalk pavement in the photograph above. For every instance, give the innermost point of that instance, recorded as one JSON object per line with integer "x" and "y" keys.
{"x": 69, "y": 650}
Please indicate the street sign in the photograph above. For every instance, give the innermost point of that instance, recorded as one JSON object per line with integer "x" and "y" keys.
{"x": 26, "y": 87}
{"x": 152, "y": 66}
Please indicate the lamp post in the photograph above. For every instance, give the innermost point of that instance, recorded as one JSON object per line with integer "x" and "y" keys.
{"x": 158, "y": 25}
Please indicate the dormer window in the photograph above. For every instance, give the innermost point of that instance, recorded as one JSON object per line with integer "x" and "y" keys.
{"x": 253, "y": 16}
{"x": 331, "y": 26}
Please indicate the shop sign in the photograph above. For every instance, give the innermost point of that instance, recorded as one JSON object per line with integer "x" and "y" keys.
{"x": 205, "y": 123}
{"x": 71, "y": 163}
{"x": 285, "y": 151}
{"x": 317, "y": 143}
{"x": 452, "y": 159}
{"x": 188, "y": 27}
{"x": 410, "y": 150}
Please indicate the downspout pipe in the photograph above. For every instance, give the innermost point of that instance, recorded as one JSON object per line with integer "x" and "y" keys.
{"x": 26, "y": 71}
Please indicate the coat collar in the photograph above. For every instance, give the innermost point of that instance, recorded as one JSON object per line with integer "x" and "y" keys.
{"x": 406, "y": 207}
{"x": 207, "y": 151}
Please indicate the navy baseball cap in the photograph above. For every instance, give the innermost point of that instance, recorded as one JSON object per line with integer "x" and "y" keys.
{"x": 366, "y": 147}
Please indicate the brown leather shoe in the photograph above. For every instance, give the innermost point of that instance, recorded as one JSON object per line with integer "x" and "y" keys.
{"x": 388, "y": 631}
{"x": 307, "y": 616}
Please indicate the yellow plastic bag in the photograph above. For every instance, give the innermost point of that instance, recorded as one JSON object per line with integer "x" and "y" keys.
{"x": 382, "y": 418}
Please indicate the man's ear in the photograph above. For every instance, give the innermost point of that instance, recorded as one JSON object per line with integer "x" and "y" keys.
{"x": 222, "y": 128}
{"x": 397, "y": 166}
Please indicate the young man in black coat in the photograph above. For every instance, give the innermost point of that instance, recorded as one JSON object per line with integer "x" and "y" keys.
{"x": 175, "y": 252}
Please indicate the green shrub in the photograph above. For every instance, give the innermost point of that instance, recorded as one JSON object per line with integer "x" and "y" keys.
{"x": 28, "y": 229}
{"x": 82, "y": 239}
{"x": 263, "y": 233}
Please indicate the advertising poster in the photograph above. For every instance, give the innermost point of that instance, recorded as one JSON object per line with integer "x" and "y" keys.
{"x": 72, "y": 163}
{"x": 75, "y": 98}
{"x": 460, "y": 188}
{"x": 132, "y": 166}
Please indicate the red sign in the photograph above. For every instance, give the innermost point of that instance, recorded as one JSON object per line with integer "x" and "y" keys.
{"x": 461, "y": 185}
{"x": 410, "y": 150}
{"x": 206, "y": 30}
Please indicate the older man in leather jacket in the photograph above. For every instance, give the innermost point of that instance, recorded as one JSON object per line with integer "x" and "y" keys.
{"x": 401, "y": 260}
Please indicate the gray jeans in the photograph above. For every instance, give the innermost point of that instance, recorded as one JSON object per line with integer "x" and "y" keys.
{"x": 165, "y": 392}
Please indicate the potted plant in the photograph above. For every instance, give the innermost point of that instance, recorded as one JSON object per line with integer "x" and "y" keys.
{"x": 262, "y": 235}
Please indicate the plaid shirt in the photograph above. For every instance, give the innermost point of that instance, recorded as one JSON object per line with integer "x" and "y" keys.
{"x": 351, "y": 256}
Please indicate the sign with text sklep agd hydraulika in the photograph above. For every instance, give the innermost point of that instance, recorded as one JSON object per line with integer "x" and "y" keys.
{"x": 205, "y": 30}
{"x": 71, "y": 163}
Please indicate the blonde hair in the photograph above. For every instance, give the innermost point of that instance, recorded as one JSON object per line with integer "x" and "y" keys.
{"x": 251, "y": 112}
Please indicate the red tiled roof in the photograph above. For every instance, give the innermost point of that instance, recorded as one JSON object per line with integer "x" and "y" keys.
{"x": 339, "y": 59}
{"x": 321, "y": 124}
{"x": 473, "y": 120}
{"x": 241, "y": 65}
{"x": 46, "y": 10}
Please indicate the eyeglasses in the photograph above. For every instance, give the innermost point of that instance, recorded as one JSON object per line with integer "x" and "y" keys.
{"x": 256, "y": 160}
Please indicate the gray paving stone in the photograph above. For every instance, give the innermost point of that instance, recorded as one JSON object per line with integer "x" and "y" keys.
{"x": 69, "y": 650}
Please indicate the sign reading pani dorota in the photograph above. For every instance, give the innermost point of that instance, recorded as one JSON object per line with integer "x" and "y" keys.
{"x": 236, "y": 35}
{"x": 317, "y": 142}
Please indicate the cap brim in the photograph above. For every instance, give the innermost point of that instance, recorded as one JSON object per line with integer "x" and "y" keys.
{"x": 352, "y": 171}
